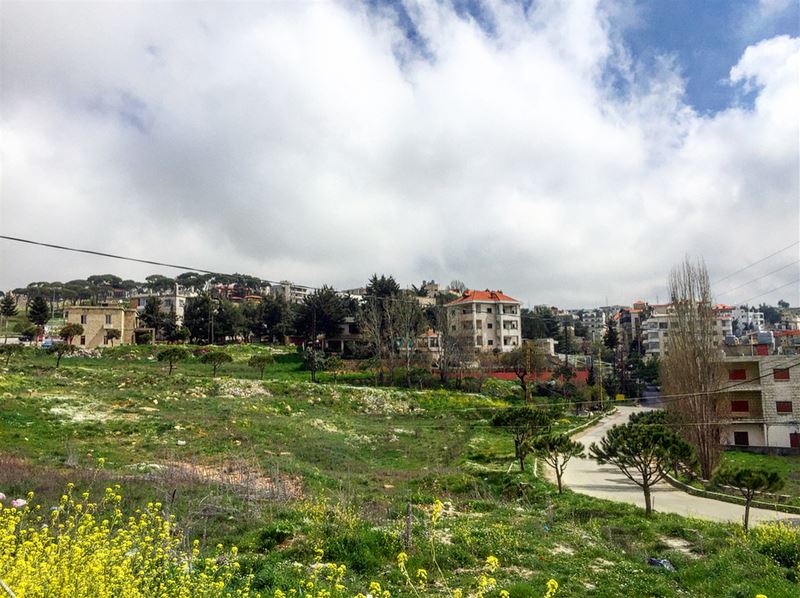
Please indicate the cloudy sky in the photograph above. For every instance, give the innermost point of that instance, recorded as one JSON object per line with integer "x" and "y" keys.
{"x": 565, "y": 152}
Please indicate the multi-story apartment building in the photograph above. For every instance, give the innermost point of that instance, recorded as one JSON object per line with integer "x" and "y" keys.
{"x": 290, "y": 292}
{"x": 656, "y": 328}
{"x": 490, "y": 317}
{"x": 595, "y": 323}
{"x": 98, "y": 320}
{"x": 173, "y": 301}
{"x": 747, "y": 320}
{"x": 628, "y": 322}
{"x": 762, "y": 406}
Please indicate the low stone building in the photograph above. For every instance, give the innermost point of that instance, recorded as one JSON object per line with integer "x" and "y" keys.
{"x": 98, "y": 320}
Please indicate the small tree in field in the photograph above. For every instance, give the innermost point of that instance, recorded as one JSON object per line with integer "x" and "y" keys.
{"x": 215, "y": 358}
{"x": 260, "y": 362}
{"x": 70, "y": 331}
{"x": 556, "y": 450}
{"x": 523, "y": 423}
{"x": 748, "y": 481}
{"x": 172, "y": 355}
{"x": 39, "y": 312}
{"x": 334, "y": 365}
{"x": 113, "y": 334}
{"x": 59, "y": 350}
{"x": 8, "y": 309}
{"x": 642, "y": 451}
{"x": 9, "y": 351}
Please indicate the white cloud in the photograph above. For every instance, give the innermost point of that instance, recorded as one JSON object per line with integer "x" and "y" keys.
{"x": 314, "y": 141}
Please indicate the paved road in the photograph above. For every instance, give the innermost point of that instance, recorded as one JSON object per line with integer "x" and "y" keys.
{"x": 607, "y": 481}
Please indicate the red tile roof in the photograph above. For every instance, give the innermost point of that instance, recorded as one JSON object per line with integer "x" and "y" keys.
{"x": 787, "y": 333}
{"x": 470, "y": 295}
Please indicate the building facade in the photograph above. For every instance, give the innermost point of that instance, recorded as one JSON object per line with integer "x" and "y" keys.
{"x": 490, "y": 317}
{"x": 762, "y": 406}
{"x": 656, "y": 327}
{"x": 290, "y": 292}
{"x": 595, "y": 323}
{"x": 98, "y": 320}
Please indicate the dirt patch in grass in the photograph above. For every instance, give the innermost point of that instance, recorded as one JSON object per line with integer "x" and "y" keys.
{"x": 680, "y": 545}
{"x": 247, "y": 480}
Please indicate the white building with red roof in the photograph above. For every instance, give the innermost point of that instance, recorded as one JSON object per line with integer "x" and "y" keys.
{"x": 492, "y": 318}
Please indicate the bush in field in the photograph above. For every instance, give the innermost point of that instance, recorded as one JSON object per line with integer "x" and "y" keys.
{"x": 83, "y": 549}
{"x": 504, "y": 390}
{"x": 780, "y": 541}
{"x": 260, "y": 362}
{"x": 215, "y": 358}
{"x": 172, "y": 355}
{"x": 8, "y": 351}
{"x": 749, "y": 481}
{"x": 59, "y": 350}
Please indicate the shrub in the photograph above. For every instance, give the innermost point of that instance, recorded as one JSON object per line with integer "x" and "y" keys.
{"x": 275, "y": 534}
{"x": 82, "y": 549}
{"x": 503, "y": 390}
{"x": 780, "y": 541}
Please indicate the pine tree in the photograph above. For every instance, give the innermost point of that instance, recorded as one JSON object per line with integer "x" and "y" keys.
{"x": 39, "y": 311}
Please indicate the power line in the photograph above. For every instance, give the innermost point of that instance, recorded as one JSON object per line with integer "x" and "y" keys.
{"x": 749, "y": 282}
{"x": 763, "y": 259}
{"x": 109, "y": 255}
{"x": 770, "y": 291}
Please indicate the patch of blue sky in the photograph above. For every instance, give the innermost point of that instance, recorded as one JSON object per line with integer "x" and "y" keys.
{"x": 706, "y": 38}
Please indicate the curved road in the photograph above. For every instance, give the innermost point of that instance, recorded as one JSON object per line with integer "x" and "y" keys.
{"x": 607, "y": 481}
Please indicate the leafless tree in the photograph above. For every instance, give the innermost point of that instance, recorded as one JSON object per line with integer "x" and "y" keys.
{"x": 370, "y": 323}
{"x": 409, "y": 321}
{"x": 454, "y": 344}
{"x": 691, "y": 369}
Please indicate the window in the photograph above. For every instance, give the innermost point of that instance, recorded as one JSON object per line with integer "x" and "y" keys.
{"x": 108, "y": 318}
{"x": 794, "y": 440}
{"x": 737, "y": 374}
{"x": 780, "y": 374}
{"x": 489, "y": 325}
{"x": 488, "y": 310}
{"x": 783, "y": 406}
{"x": 434, "y": 342}
{"x": 83, "y": 340}
{"x": 490, "y": 342}
{"x": 740, "y": 406}
{"x": 479, "y": 341}
{"x": 479, "y": 324}
{"x": 741, "y": 438}
{"x": 478, "y": 308}
{"x": 83, "y": 319}
{"x": 105, "y": 340}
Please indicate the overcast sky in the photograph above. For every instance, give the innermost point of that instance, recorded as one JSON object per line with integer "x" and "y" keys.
{"x": 565, "y": 152}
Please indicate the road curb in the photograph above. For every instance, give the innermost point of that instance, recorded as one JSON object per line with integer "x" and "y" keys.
{"x": 728, "y": 498}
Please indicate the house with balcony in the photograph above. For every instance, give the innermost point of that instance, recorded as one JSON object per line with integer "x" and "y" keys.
{"x": 290, "y": 292}
{"x": 98, "y": 320}
{"x": 171, "y": 301}
{"x": 595, "y": 323}
{"x": 762, "y": 405}
{"x": 491, "y": 318}
{"x": 661, "y": 318}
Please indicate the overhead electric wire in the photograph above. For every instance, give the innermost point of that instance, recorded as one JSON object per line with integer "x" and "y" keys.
{"x": 749, "y": 282}
{"x": 104, "y": 254}
{"x": 763, "y": 259}
{"x": 748, "y": 300}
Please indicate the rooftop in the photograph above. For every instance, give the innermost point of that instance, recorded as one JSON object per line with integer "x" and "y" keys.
{"x": 470, "y": 296}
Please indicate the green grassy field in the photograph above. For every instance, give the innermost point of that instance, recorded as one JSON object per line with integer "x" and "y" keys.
{"x": 284, "y": 466}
